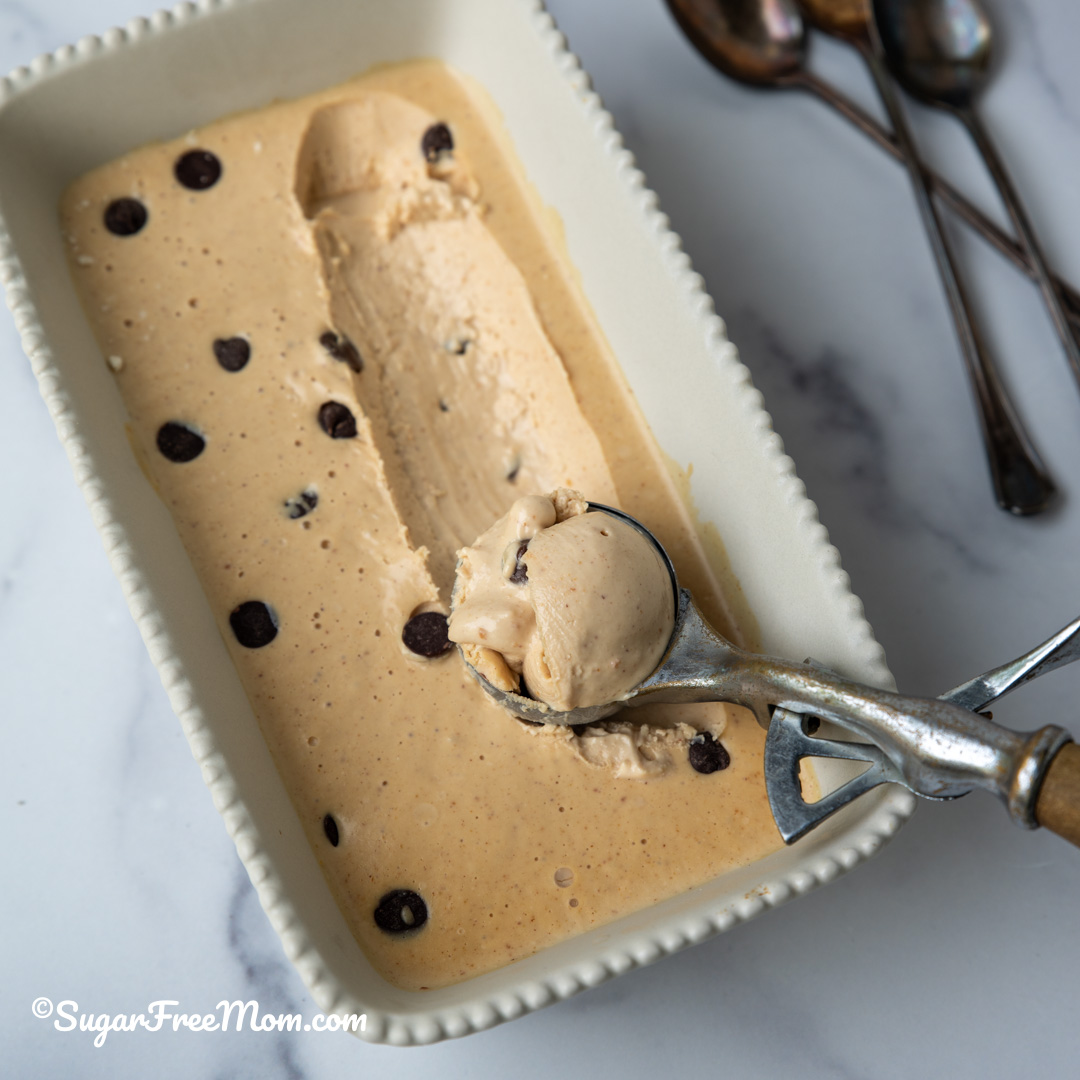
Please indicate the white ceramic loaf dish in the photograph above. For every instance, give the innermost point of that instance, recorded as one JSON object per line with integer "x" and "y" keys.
{"x": 158, "y": 77}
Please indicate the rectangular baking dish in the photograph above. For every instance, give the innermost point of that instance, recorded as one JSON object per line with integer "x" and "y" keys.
{"x": 156, "y": 78}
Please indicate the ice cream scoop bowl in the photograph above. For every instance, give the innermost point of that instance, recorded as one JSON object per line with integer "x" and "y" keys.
{"x": 935, "y": 748}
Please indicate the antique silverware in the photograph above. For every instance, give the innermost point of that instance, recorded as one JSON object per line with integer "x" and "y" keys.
{"x": 772, "y": 53}
{"x": 939, "y": 51}
{"x": 1021, "y": 483}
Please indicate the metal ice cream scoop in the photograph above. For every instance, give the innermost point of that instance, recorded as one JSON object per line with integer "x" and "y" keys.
{"x": 937, "y": 748}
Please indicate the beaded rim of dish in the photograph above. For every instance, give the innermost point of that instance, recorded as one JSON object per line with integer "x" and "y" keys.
{"x": 670, "y": 934}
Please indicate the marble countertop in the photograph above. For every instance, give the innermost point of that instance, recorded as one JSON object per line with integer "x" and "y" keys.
{"x": 952, "y": 954}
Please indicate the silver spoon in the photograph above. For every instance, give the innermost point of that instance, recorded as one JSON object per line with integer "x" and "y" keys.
{"x": 937, "y": 748}
{"x": 939, "y": 51}
{"x": 1020, "y": 482}
{"x": 772, "y": 53}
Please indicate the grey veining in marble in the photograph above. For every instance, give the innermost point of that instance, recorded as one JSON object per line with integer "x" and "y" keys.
{"x": 953, "y": 954}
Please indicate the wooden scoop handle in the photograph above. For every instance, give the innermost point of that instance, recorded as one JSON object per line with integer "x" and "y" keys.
{"x": 1058, "y": 804}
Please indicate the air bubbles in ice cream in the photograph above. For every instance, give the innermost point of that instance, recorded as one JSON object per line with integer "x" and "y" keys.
{"x": 577, "y": 605}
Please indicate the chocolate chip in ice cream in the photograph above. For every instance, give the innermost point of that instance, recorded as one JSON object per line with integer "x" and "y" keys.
{"x": 232, "y": 353}
{"x": 330, "y": 827}
{"x": 198, "y": 169}
{"x": 341, "y": 348}
{"x": 125, "y": 217}
{"x": 401, "y": 910}
{"x": 437, "y": 141}
{"x": 254, "y": 624}
{"x": 337, "y": 420}
{"x": 425, "y": 634}
{"x": 707, "y": 753}
{"x": 179, "y": 443}
{"x": 301, "y": 505}
{"x": 520, "y": 576}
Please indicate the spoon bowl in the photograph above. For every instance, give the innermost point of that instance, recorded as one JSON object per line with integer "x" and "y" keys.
{"x": 939, "y": 50}
{"x": 761, "y": 42}
{"x": 842, "y": 18}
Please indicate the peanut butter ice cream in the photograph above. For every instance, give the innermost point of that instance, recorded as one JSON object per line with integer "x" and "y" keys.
{"x": 347, "y": 342}
{"x": 579, "y": 605}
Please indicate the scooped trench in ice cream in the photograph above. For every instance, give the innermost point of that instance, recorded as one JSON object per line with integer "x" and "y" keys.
{"x": 576, "y": 606}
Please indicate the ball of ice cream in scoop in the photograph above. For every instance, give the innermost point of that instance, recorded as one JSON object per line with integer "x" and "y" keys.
{"x": 576, "y": 604}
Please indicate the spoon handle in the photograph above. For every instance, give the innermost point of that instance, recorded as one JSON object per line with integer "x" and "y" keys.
{"x": 957, "y": 202}
{"x": 1025, "y": 231}
{"x": 1021, "y": 483}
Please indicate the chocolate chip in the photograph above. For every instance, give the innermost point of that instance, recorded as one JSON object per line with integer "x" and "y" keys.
{"x": 520, "y": 576}
{"x": 329, "y": 826}
{"x": 437, "y": 141}
{"x": 197, "y": 169}
{"x": 425, "y": 634}
{"x": 254, "y": 624}
{"x": 400, "y": 911}
{"x": 443, "y": 407}
{"x": 341, "y": 348}
{"x": 337, "y": 421}
{"x": 179, "y": 443}
{"x": 232, "y": 353}
{"x": 707, "y": 754}
{"x": 125, "y": 217}
{"x": 301, "y": 505}
{"x": 512, "y": 475}
{"x": 810, "y": 725}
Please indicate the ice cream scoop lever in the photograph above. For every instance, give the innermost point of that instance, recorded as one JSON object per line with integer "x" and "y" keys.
{"x": 790, "y": 740}
{"x": 938, "y": 748}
